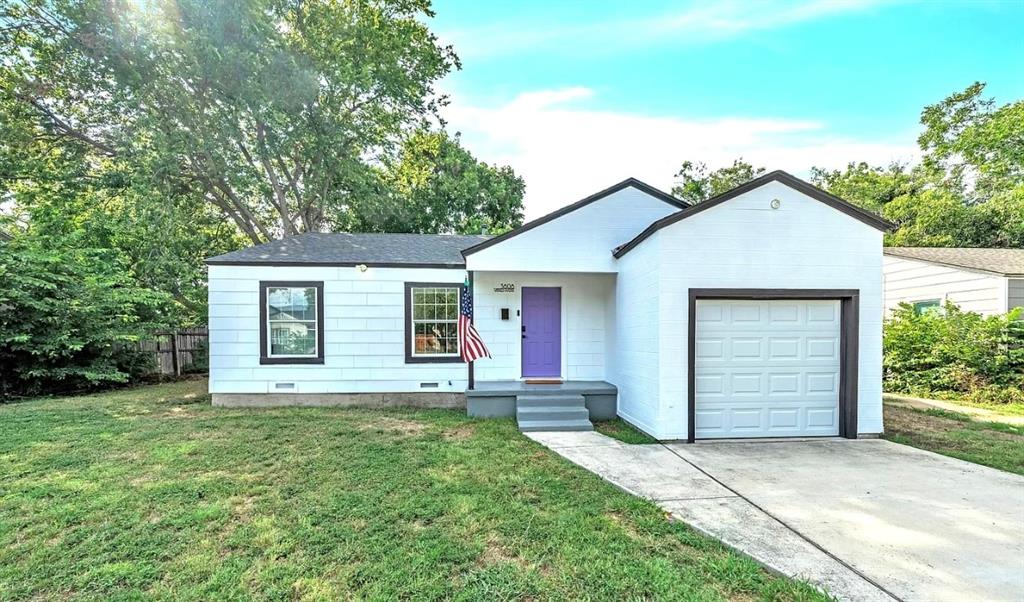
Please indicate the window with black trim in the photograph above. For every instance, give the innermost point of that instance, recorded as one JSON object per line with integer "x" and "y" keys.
{"x": 432, "y": 322}
{"x": 291, "y": 322}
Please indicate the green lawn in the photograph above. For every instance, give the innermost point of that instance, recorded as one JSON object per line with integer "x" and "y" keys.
{"x": 152, "y": 493}
{"x": 954, "y": 434}
{"x": 1006, "y": 409}
{"x": 623, "y": 431}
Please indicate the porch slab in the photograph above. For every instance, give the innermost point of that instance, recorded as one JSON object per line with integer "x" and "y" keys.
{"x": 497, "y": 398}
{"x": 504, "y": 388}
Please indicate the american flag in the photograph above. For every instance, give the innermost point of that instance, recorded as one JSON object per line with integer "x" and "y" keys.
{"x": 471, "y": 346}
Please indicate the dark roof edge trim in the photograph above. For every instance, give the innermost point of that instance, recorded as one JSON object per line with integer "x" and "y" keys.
{"x": 628, "y": 182}
{"x": 776, "y": 176}
{"x": 945, "y": 264}
{"x": 338, "y": 264}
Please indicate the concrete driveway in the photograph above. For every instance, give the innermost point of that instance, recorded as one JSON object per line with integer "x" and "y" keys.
{"x": 865, "y": 519}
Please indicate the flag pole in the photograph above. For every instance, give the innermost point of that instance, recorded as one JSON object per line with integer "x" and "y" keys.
{"x": 469, "y": 285}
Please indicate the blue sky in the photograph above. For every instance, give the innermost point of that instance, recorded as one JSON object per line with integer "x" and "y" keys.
{"x": 577, "y": 95}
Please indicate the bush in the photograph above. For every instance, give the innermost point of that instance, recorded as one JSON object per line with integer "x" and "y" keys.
{"x": 69, "y": 320}
{"x": 956, "y": 353}
{"x": 200, "y": 359}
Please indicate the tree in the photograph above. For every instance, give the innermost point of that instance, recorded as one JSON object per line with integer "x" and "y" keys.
{"x": 441, "y": 187}
{"x": 273, "y": 112}
{"x": 968, "y": 190}
{"x": 69, "y": 319}
{"x": 978, "y": 147}
{"x": 869, "y": 187}
{"x": 695, "y": 183}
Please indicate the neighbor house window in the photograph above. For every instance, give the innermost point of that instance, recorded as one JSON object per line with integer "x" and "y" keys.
{"x": 291, "y": 322}
{"x": 432, "y": 322}
{"x": 929, "y": 306}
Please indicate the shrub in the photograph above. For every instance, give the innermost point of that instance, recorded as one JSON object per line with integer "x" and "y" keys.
{"x": 200, "y": 358}
{"x": 69, "y": 320}
{"x": 956, "y": 352}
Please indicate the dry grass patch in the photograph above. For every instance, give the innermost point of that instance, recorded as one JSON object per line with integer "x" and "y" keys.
{"x": 393, "y": 425}
{"x": 461, "y": 432}
{"x": 957, "y": 435}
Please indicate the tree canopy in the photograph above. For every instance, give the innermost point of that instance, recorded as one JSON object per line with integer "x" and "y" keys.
{"x": 173, "y": 130}
{"x": 694, "y": 183}
{"x": 968, "y": 190}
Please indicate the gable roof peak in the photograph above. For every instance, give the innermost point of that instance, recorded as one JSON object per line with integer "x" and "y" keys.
{"x": 777, "y": 175}
{"x": 629, "y": 182}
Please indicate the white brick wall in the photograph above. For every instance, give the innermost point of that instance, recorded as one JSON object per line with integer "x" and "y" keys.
{"x": 634, "y": 367}
{"x": 580, "y": 241}
{"x": 743, "y": 243}
{"x": 364, "y": 329}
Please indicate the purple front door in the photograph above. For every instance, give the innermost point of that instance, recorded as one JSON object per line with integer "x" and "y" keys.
{"x": 542, "y": 331}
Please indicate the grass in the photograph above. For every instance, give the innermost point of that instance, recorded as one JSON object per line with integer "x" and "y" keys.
{"x": 623, "y": 431}
{"x": 954, "y": 434}
{"x": 1006, "y": 409}
{"x": 152, "y": 493}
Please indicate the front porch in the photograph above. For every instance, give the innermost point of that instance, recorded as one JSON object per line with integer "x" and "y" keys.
{"x": 569, "y": 405}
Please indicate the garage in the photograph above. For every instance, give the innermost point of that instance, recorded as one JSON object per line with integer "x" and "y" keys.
{"x": 767, "y": 367}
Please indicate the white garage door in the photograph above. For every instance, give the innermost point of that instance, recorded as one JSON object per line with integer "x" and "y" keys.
{"x": 766, "y": 368}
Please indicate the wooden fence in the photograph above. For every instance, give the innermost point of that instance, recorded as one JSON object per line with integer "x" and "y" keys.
{"x": 178, "y": 351}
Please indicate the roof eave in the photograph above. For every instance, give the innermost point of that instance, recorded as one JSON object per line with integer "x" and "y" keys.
{"x": 336, "y": 264}
{"x": 627, "y": 183}
{"x": 946, "y": 264}
{"x": 793, "y": 182}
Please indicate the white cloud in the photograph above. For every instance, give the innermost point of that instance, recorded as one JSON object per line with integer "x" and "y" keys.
{"x": 565, "y": 153}
{"x": 702, "y": 21}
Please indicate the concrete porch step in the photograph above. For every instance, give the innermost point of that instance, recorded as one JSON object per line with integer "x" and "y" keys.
{"x": 552, "y": 413}
{"x": 535, "y": 426}
{"x": 543, "y": 400}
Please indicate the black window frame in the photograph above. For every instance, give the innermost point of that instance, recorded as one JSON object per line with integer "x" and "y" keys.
{"x": 265, "y": 357}
{"x": 409, "y": 335}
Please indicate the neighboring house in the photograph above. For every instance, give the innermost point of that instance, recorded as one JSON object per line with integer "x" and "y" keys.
{"x": 986, "y": 281}
{"x": 757, "y": 313}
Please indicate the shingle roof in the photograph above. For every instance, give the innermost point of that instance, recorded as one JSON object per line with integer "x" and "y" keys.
{"x": 1006, "y": 262}
{"x": 343, "y": 249}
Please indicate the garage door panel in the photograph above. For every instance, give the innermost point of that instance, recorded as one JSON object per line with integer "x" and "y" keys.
{"x": 746, "y": 384}
{"x": 783, "y": 384}
{"x": 767, "y": 368}
{"x": 709, "y": 349}
{"x": 783, "y": 348}
{"x": 710, "y": 312}
{"x": 822, "y": 348}
{"x": 823, "y": 418}
{"x": 787, "y": 313}
{"x": 711, "y": 384}
{"x": 823, "y": 312}
{"x": 826, "y": 383}
{"x": 744, "y": 312}
{"x": 783, "y": 418}
{"x": 711, "y": 421}
{"x": 746, "y": 347}
{"x": 747, "y": 420}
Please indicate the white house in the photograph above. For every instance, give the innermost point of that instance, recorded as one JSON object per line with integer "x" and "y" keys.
{"x": 757, "y": 313}
{"x": 986, "y": 281}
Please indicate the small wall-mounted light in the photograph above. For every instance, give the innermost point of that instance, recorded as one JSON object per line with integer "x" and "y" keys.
{"x": 361, "y": 267}
{"x": 776, "y": 203}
